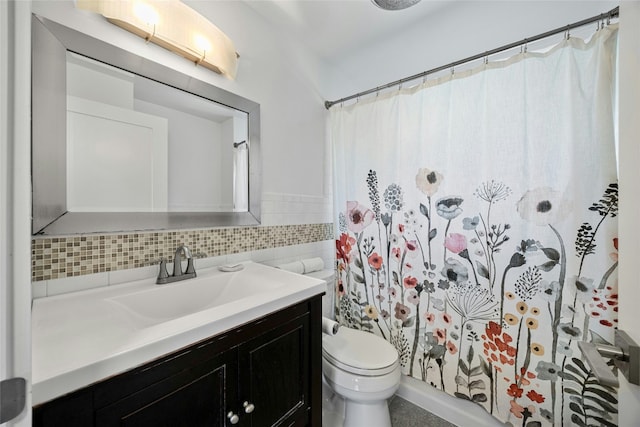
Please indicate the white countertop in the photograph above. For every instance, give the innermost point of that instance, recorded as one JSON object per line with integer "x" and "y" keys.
{"x": 83, "y": 337}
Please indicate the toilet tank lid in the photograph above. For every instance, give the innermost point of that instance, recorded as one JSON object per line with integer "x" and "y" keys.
{"x": 359, "y": 349}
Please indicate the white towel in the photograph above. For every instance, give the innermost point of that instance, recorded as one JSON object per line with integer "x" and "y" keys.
{"x": 329, "y": 326}
{"x": 294, "y": 267}
{"x": 312, "y": 264}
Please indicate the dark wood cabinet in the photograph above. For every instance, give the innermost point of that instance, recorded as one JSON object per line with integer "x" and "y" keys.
{"x": 264, "y": 373}
{"x": 272, "y": 371}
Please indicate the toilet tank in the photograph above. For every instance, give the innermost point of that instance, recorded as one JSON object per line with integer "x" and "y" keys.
{"x": 328, "y": 299}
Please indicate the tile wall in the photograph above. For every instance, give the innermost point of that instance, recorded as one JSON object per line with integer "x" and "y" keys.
{"x": 299, "y": 227}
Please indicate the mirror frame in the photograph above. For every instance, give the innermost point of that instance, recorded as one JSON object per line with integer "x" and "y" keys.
{"x": 50, "y": 43}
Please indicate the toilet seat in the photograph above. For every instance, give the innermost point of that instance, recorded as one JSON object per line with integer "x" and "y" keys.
{"x": 359, "y": 352}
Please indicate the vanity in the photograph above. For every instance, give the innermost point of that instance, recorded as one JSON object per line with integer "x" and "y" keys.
{"x": 225, "y": 348}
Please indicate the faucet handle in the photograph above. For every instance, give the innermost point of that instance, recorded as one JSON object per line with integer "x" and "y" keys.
{"x": 162, "y": 272}
{"x": 190, "y": 267}
{"x": 199, "y": 255}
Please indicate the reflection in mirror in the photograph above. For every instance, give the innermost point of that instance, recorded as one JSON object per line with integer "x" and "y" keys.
{"x": 121, "y": 143}
{"x": 136, "y": 145}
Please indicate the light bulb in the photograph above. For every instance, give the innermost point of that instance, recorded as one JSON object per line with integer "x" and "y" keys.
{"x": 202, "y": 43}
{"x": 146, "y": 13}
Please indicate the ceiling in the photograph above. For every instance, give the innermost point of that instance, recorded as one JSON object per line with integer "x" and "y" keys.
{"x": 332, "y": 28}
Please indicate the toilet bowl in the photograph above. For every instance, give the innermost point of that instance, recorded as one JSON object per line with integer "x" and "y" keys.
{"x": 360, "y": 371}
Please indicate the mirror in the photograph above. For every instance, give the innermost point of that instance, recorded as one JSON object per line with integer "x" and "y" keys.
{"x": 121, "y": 143}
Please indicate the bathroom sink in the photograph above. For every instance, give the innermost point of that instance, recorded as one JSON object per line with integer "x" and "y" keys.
{"x": 170, "y": 301}
{"x": 83, "y": 337}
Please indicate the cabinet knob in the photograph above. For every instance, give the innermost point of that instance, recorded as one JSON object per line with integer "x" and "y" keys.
{"x": 248, "y": 407}
{"x": 233, "y": 418}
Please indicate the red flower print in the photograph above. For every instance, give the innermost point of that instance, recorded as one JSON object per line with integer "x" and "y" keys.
{"x": 411, "y": 245}
{"x": 430, "y": 318}
{"x": 496, "y": 345}
{"x": 441, "y": 334}
{"x": 455, "y": 242}
{"x": 505, "y": 360}
{"x": 514, "y": 391}
{"x": 344, "y": 246}
{"x": 446, "y": 317}
{"x": 410, "y": 282}
{"x": 535, "y": 396}
{"x": 340, "y": 288}
{"x": 602, "y": 301}
{"x": 396, "y": 253}
{"x": 516, "y": 409}
{"x": 493, "y": 329}
{"x": 452, "y": 347}
{"x": 522, "y": 380}
{"x": 375, "y": 261}
{"x": 525, "y": 377}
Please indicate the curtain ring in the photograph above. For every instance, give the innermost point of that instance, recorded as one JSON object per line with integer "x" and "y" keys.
{"x": 609, "y": 18}
{"x": 567, "y": 33}
{"x": 452, "y": 71}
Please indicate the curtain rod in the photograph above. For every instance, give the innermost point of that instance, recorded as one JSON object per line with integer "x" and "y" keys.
{"x": 613, "y": 13}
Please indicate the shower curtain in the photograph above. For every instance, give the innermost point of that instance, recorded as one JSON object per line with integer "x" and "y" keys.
{"x": 476, "y": 229}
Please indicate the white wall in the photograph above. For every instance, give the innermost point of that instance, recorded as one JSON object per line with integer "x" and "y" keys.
{"x": 196, "y": 167}
{"x": 15, "y": 201}
{"x": 459, "y": 30}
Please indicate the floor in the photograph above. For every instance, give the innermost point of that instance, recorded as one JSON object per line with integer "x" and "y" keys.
{"x": 406, "y": 414}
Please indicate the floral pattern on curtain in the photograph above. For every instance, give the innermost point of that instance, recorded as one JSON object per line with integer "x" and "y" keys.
{"x": 476, "y": 230}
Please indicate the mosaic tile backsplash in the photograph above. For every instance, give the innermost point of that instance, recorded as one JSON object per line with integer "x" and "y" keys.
{"x": 60, "y": 257}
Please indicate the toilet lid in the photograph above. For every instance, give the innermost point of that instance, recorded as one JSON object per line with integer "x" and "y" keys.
{"x": 359, "y": 352}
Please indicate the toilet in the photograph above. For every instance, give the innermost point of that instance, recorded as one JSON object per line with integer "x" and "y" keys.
{"x": 360, "y": 372}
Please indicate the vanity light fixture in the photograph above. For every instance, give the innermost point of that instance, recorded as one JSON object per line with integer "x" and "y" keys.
{"x": 174, "y": 26}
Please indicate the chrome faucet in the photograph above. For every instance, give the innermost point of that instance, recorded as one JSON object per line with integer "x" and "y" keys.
{"x": 178, "y": 274}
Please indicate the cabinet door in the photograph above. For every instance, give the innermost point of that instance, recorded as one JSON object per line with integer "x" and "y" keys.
{"x": 274, "y": 376}
{"x": 196, "y": 396}
{"x": 74, "y": 410}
